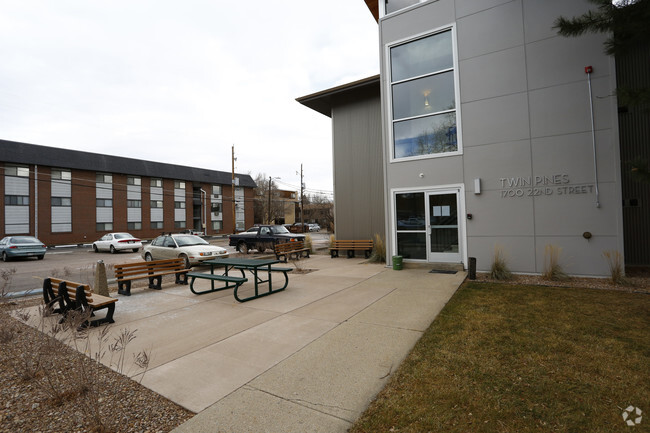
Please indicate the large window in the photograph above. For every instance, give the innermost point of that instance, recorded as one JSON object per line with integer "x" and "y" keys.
{"x": 391, "y": 6}
{"x": 16, "y": 170}
{"x": 423, "y": 96}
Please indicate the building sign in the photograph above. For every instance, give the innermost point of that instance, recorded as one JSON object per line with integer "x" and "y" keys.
{"x": 532, "y": 186}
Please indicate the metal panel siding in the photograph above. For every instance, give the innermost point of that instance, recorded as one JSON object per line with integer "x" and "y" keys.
{"x": 133, "y": 215}
{"x": 156, "y": 214}
{"x": 16, "y": 185}
{"x": 104, "y": 190}
{"x": 104, "y": 214}
{"x": 12, "y": 229}
{"x": 358, "y": 169}
{"x": 179, "y": 214}
{"x": 133, "y": 192}
{"x": 61, "y": 188}
{"x": 17, "y": 215}
{"x": 61, "y": 228}
{"x": 156, "y": 193}
{"x": 61, "y": 214}
{"x": 633, "y": 70}
{"x": 179, "y": 194}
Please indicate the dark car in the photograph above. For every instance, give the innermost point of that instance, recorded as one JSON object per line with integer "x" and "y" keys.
{"x": 12, "y": 247}
{"x": 264, "y": 238}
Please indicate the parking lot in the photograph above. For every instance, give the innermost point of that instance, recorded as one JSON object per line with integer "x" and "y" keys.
{"x": 77, "y": 263}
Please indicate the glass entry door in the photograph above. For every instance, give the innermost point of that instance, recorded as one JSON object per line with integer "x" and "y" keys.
{"x": 443, "y": 228}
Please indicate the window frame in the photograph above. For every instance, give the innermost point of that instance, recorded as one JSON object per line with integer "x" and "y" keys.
{"x": 389, "y": 92}
{"x": 16, "y": 170}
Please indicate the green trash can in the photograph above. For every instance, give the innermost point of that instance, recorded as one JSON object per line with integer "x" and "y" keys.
{"x": 397, "y": 263}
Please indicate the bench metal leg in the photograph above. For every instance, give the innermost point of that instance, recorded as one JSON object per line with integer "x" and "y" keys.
{"x": 155, "y": 282}
{"x": 181, "y": 278}
{"x": 84, "y": 308}
{"x": 124, "y": 288}
{"x": 350, "y": 254}
{"x": 334, "y": 253}
{"x": 50, "y": 299}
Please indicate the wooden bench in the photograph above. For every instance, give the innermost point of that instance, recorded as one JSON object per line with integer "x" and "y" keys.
{"x": 290, "y": 248}
{"x": 71, "y": 296}
{"x": 351, "y": 246}
{"x": 153, "y": 270}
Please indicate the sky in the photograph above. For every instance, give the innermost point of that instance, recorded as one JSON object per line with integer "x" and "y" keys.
{"x": 182, "y": 82}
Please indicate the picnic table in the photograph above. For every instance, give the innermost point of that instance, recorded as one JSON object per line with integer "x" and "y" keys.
{"x": 261, "y": 271}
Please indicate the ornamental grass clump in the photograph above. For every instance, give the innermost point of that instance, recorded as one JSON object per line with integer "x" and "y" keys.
{"x": 616, "y": 267}
{"x": 552, "y": 269}
{"x": 499, "y": 269}
{"x": 379, "y": 250}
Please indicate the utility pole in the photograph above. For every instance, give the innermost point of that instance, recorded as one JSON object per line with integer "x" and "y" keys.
{"x": 302, "y": 202}
{"x": 269, "y": 218}
{"x": 234, "y": 225}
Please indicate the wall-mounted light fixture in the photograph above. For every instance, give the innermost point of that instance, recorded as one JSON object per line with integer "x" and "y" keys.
{"x": 477, "y": 186}
{"x": 426, "y": 94}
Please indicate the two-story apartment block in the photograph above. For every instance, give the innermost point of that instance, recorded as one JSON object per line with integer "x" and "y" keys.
{"x": 484, "y": 129}
{"x": 70, "y": 197}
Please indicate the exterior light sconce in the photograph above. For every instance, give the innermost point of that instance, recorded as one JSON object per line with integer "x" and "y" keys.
{"x": 426, "y": 94}
{"x": 477, "y": 186}
{"x": 421, "y": 175}
{"x": 469, "y": 216}
{"x": 586, "y": 235}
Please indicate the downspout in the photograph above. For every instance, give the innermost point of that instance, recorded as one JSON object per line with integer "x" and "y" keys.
{"x": 36, "y": 201}
{"x": 588, "y": 71}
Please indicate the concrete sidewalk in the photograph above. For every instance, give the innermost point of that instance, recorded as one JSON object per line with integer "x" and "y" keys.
{"x": 310, "y": 358}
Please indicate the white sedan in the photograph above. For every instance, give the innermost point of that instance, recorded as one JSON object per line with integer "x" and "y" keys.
{"x": 115, "y": 242}
{"x": 190, "y": 248}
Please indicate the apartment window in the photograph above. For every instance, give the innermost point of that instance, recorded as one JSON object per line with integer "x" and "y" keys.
{"x": 157, "y": 225}
{"x": 179, "y": 205}
{"x": 134, "y": 226}
{"x": 16, "y": 170}
{"x": 133, "y": 180}
{"x": 104, "y": 202}
{"x": 134, "y": 203}
{"x": 216, "y": 189}
{"x": 60, "y": 174}
{"x": 104, "y": 227}
{"x": 179, "y": 224}
{"x": 17, "y": 200}
{"x": 156, "y": 204}
{"x": 179, "y": 184}
{"x": 156, "y": 183}
{"x": 217, "y": 225}
{"x": 104, "y": 178}
{"x": 61, "y": 201}
{"x": 423, "y": 96}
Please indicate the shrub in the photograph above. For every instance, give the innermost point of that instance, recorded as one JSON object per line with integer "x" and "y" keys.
{"x": 552, "y": 269}
{"x": 378, "y": 250}
{"x": 616, "y": 267}
{"x": 499, "y": 269}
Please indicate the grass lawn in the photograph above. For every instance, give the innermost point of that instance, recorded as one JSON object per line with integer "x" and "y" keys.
{"x": 504, "y": 358}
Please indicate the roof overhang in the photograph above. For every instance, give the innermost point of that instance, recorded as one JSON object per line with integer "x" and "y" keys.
{"x": 323, "y": 101}
{"x": 373, "y": 5}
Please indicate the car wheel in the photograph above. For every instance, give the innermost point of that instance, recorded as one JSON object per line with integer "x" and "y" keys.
{"x": 40, "y": 257}
{"x": 187, "y": 261}
{"x": 5, "y": 258}
{"x": 112, "y": 249}
{"x": 261, "y": 249}
{"x": 95, "y": 248}
{"x": 242, "y": 247}
{"x": 148, "y": 258}
{"x": 135, "y": 250}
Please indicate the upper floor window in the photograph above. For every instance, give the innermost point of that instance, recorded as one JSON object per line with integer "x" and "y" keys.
{"x": 391, "y": 6}
{"x": 16, "y": 170}
{"x": 423, "y": 96}
{"x": 216, "y": 189}
{"x": 104, "y": 178}
{"x": 156, "y": 182}
{"x": 133, "y": 180}
{"x": 61, "y": 174}
{"x": 179, "y": 184}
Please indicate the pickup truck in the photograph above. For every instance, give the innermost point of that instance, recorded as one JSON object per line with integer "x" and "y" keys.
{"x": 265, "y": 236}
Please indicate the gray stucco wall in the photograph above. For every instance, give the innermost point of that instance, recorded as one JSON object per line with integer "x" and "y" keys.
{"x": 358, "y": 167}
{"x": 525, "y": 113}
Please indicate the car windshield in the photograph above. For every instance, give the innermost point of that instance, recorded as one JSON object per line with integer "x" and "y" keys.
{"x": 189, "y": 240}
{"x": 279, "y": 230}
{"x": 123, "y": 236}
{"x": 24, "y": 240}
